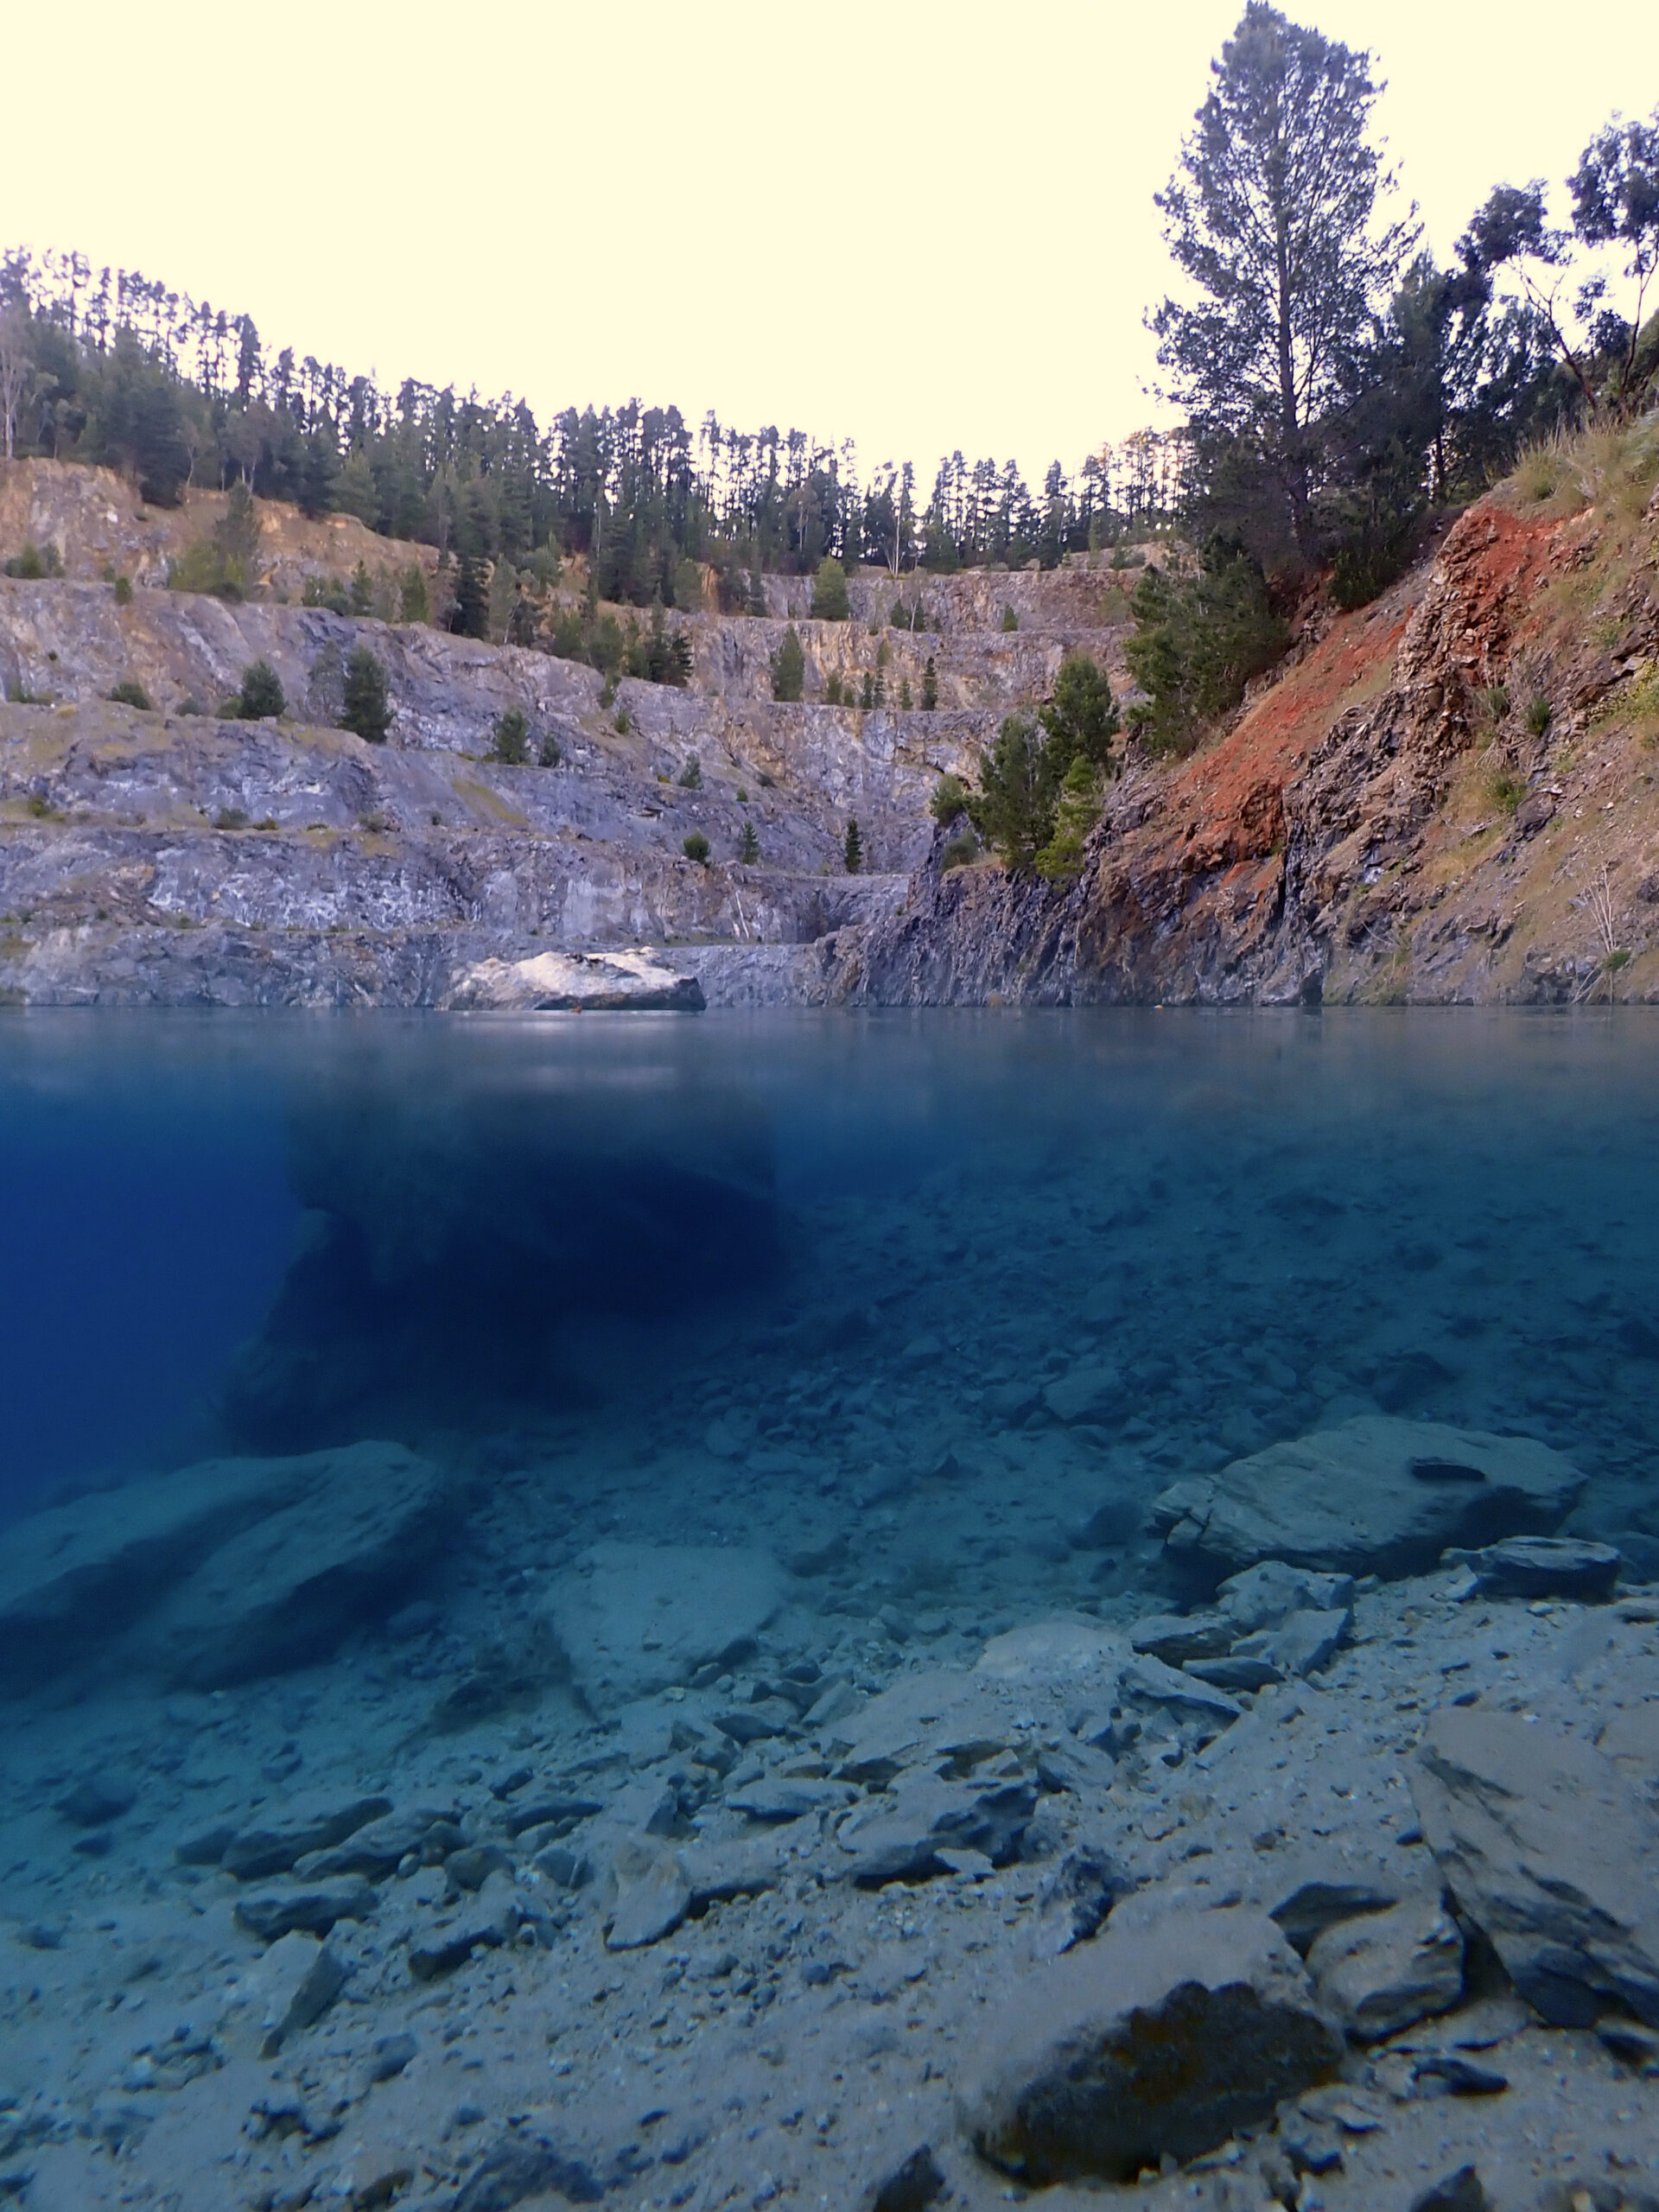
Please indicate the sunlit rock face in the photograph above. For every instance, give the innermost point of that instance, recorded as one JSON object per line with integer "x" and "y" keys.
{"x": 450, "y": 1234}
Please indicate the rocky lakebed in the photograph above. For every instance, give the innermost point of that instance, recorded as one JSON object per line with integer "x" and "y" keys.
{"x": 1099, "y": 1658}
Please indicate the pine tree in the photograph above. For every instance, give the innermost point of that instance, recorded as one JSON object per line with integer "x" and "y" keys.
{"x": 261, "y": 696}
{"x": 748, "y": 845}
{"x": 1271, "y": 216}
{"x": 413, "y": 603}
{"x": 789, "y": 667}
{"x": 472, "y": 616}
{"x": 852, "y": 851}
{"x": 904, "y": 696}
{"x": 829, "y": 599}
{"x": 362, "y": 590}
{"x": 509, "y": 738}
{"x": 929, "y": 686}
{"x": 867, "y": 697}
{"x": 365, "y": 710}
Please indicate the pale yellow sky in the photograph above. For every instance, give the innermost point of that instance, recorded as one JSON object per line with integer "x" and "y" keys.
{"x": 920, "y": 224}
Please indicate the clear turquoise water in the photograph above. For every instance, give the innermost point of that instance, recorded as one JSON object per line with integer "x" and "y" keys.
{"x": 847, "y": 1236}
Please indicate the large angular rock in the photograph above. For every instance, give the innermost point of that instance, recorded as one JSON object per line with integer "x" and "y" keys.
{"x": 283, "y": 1591}
{"x": 294, "y": 1984}
{"x": 1378, "y": 1974}
{"x": 633, "y": 1618}
{"x": 1375, "y": 1496}
{"x": 1154, "y": 2040}
{"x": 285, "y": 1834}
{"x": 574, "y": 982}
{"x": 76, "y": 1574}
{"x": 653, "y": 1895}
{"x": 1543, "y": 1845}
{"x": 948, "y": 1720}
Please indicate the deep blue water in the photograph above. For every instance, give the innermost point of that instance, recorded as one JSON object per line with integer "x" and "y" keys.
{"x": 646, "y": 1220}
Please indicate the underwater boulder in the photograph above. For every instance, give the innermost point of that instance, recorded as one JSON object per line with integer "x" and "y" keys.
{"x": 1373, "y": 1496}
{"x": 1543, "y": 1845}
{"x": 283, "y": 1592}
{"x": 1154, "y": 2040}
{"x": 634, "y": 1618}
{"x": 316, "y": 1542}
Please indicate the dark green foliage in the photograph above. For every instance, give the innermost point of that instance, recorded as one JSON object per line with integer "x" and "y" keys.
{"x": 261, "y": 696}
{"x": 472, "y": 615}
{"x": 1270, "y": 217}
{"x": 696, "y": 848}
{"x": 788, "y": 666}
{"x": 832, "y": 692}
{"x": 414, "y": 604}
{"x": 749, "y": 846}
{"x": 34, "y": 563}
{"x": 852, "y": 850}
{"x": 509, "y": 738}
{"x": 904, "y": 696}
{"x": 1011, "y": 809}
{"x": 1075, "y": 816}
{"x": 362, "y": 590}
{"x": 569, "y": 638}
{"x": 950, "y": 800}
{"x": 1198, "y": 641}
{"x": 829, "y": 599}
{"x": 1081, "y": 719}
{"x": 1010, "y": 620}
{"x": 325, "y": 591}
{"x": 521, "y": 622}
{"x": 548, "y": 756}
{"x": 912, "y": 616}
{"x": 691, "y": 775}
{"x": 959, "y": 851}
{"x": 367, "y": 709}
{"x": 867, "y": 695}
{"x": 929, "y": 686}
{"x": 1026, "y": 781}
{"x": 606, "y": 646}
{"x": 129, "y": 693}
{"x": 123, "y": 591}
{"x": 231, "y": 817}
{"x": 1540, "y": 714}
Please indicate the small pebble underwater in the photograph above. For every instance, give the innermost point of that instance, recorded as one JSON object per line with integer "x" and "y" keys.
{"x": 627, "y": 1607}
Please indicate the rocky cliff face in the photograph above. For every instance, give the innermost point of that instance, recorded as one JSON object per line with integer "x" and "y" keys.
{"x": 1449, "y": 796}
{"x": 168, "y": 856}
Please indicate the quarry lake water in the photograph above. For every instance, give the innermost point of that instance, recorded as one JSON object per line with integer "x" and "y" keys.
{"x": 467, "y": 1484}
{"x": 855, "y": 1239}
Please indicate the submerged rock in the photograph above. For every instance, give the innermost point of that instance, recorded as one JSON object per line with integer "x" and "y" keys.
{"x": 1544, "y": 1847}
{"x": 1156, "y": 2041}
{"x": 1546, "y": 1566}
{"x": 1372, "y": 1496}
{"x": 633, "y": 1618}
{"x": 221, "y": 1570}
{"x": 1382, "y": 1972}
{"x": 283, "y": 1592}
